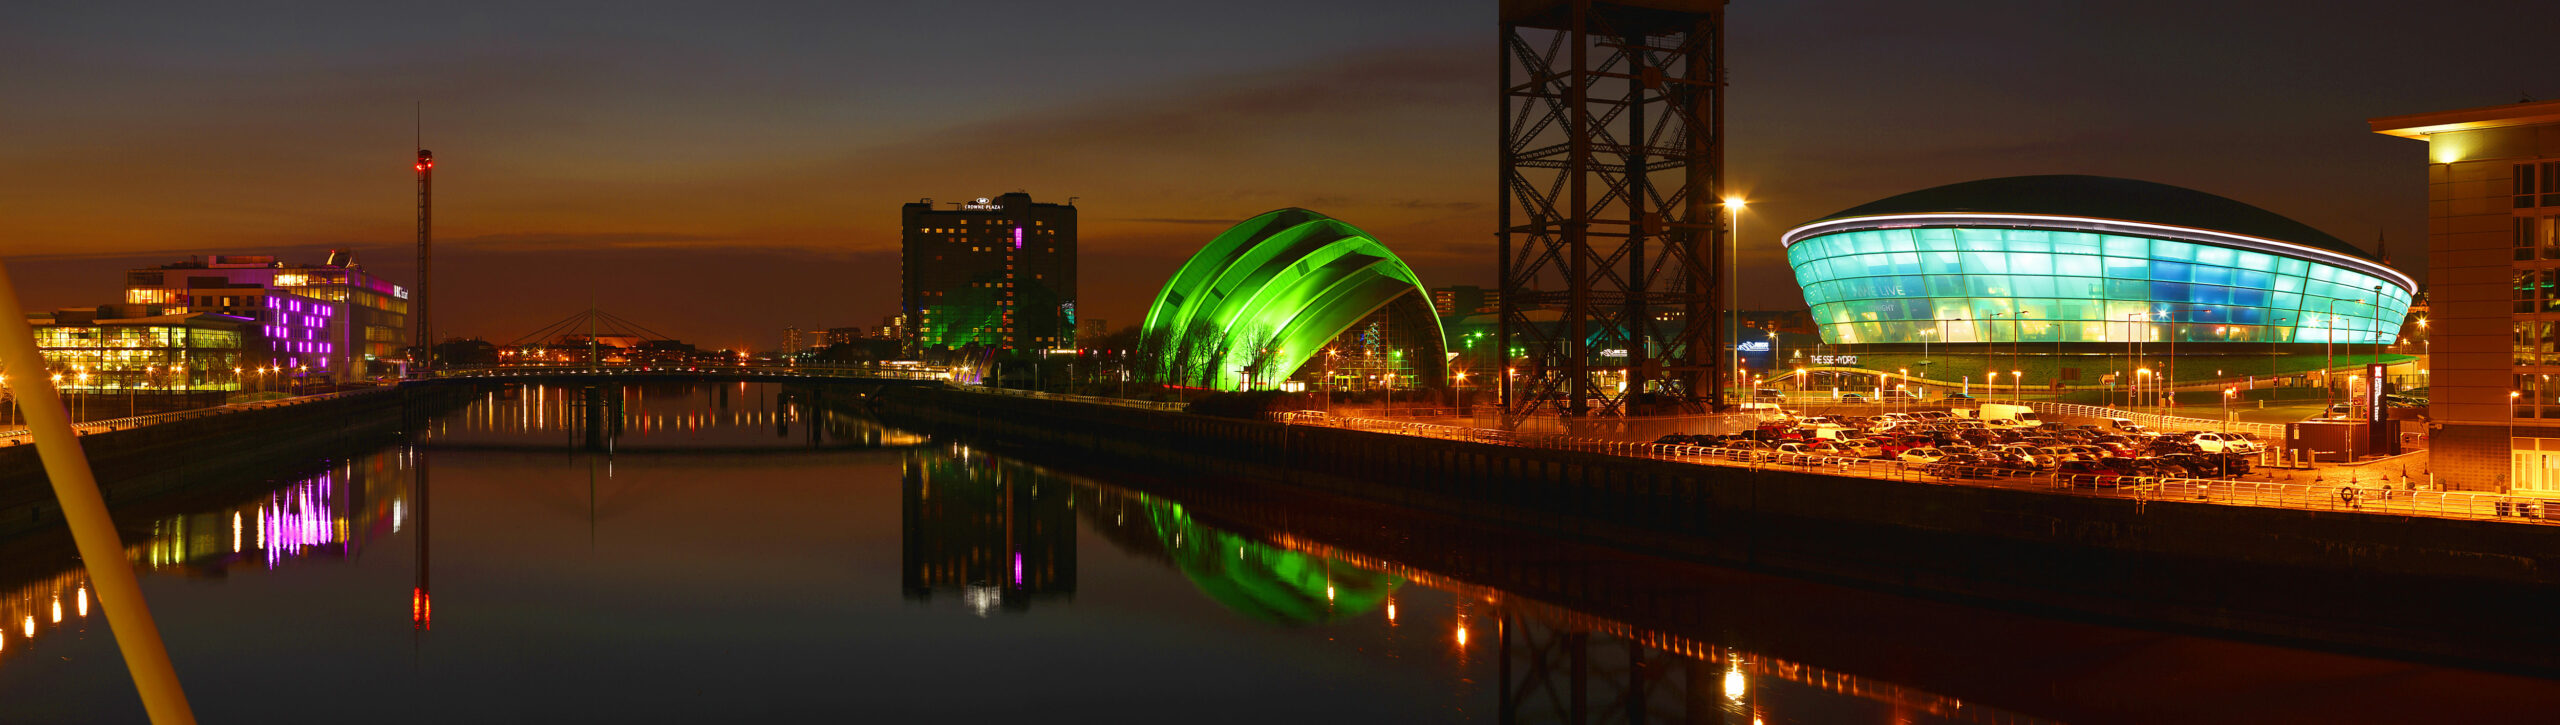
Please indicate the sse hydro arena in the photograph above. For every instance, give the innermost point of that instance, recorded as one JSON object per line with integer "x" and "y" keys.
{"x": 2086, "y": 259}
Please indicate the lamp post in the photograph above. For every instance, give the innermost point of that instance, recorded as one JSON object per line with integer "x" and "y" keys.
{"x": 1986, "y": 348}
{"x": 2017, "y": 389}
{"x": 1732, "y": 296}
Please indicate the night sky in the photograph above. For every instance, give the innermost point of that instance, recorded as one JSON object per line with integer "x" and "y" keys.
{"x": 722, "y": 170}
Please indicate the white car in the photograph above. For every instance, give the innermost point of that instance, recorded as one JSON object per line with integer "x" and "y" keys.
{"x": 2211, "y": 442}
{"x": 1922, "y": 455}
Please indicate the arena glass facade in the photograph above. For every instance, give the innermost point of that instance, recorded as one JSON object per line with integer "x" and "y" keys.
{"x": 1959, "y": 277}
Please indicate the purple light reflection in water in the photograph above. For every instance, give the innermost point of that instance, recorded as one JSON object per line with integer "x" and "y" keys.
{"x": 298, "y": 517}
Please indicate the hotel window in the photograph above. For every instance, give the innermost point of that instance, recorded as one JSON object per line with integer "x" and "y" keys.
{"x": 2547, "y": 174}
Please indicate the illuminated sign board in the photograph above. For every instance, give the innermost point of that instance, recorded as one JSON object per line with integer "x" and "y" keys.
{"x": 1837, "y": 360}
{"x": 1614, "y": 352}
{"x": 2373, "y": 402}
{"x": 1760, "y": 346}
{"x": 982, "y": 204}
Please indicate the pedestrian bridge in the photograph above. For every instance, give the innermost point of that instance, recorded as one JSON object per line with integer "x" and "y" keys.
{"x": 868, "y": 375}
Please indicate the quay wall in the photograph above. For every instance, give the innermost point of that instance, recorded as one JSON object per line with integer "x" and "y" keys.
{"x": 2466, "y": 591}
{"x": 170, "y": 456}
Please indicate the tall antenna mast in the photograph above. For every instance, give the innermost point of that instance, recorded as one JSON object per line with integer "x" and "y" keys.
{"x": 419, "y": 300}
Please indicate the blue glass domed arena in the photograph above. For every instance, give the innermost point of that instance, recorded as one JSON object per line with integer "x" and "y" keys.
{"x": 2086, "y": 259}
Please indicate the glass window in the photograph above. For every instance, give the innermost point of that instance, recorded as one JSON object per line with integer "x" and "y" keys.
{"x": 2253, "y": 279}
{"x": 1986, "y": 264}
{"x": 2177, "y": 251}
{"x": 2030, "y": 263}
{"x": 2214, "y": 255}
{"x": 2033, "y": 285}
{"x": 2169, "y": 292}
{"x": 2287, "y": 283}
{"x": 2134, "y": 247}
{"x": 1946, "y": 285}
{"x": 1989, "y": 285}
{"x": 2077, "y": 243}
{"x": 2205, "y": 274}
{"x": 2082, "y": 287}
{"x": 2077, "y": 265}
{"x": 2128, "y": 268}
{"x": 2207, "y": 294}
{"x": 2249, "y": 296}
{"x": 2128, "y": 289}
{"x": 1944, "y": 263}
{"x": 2171, "y": 271}
{"x": 2550, "y": 343}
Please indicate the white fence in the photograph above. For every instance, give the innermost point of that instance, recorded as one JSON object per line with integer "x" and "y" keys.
{"x": 2358, "y": 492}
{"x": 2273, "y": 431}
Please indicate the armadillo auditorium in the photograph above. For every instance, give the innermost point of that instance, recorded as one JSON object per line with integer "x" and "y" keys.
{"x": 2086, "y": 259}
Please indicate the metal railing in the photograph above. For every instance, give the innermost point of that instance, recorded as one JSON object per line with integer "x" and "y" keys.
{"x": 2162, "y": 422}
{"x": 892, "y": 372}
{"x": 1173, "y": 405}
{"x": 16, "y": 437}
{"x": 2377, "y": 494}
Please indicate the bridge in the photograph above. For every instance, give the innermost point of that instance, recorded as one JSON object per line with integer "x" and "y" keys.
{"x": 877, "y": 375}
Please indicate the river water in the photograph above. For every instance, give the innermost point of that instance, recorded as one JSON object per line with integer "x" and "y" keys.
{"x": 718, "y": 560}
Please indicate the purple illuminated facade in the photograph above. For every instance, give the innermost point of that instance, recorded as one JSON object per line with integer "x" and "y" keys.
{"x": 334, "y": 320}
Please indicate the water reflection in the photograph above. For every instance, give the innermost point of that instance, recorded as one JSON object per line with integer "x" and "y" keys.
{"x": 776, "y": 567}
{"x": 327, "y": 515}
{"x": 985, "y": 530}
{"x": 695, "y": 417}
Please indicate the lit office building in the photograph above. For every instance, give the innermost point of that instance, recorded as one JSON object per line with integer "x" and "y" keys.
{"x": 2493, "y": 274}
{"x": 148, "y": 362}
{"x": 370, "y": 314}
{"x": 996, "y": 272}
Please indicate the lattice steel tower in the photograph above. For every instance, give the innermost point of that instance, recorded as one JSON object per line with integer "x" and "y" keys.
{"x": 1612, "y": 180}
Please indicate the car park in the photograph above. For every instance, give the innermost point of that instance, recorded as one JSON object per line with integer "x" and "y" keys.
{"x": 2212, "y": 442}
{"x": 1800, "y": 454}
{"x": 2087, "y": 473}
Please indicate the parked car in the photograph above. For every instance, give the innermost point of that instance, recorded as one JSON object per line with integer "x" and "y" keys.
{"x": 2124, "y": 425}
{"x": 1922, "y": 455}
{"x": 2087, "y": 473}
{"x": 2211, "y": 442}
{"x": 1799, "y": 454}
{"x": 1967, "y": 466}
{"x": 1858, "y": 447}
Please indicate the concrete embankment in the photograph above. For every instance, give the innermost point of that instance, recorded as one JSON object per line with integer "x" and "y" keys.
{"x": 173, "y": 456}
{"x": 2466, "y": 591}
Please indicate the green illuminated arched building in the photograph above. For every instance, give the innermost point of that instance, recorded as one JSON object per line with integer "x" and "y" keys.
{"x": 1272, "y": 293}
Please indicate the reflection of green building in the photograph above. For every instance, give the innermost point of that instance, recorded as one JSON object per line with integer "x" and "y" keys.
{"x": 1256, "y": 579}
{"x": 998, "y": 534}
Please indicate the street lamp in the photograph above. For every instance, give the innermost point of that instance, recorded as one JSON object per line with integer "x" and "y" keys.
{"x": 1732, "y": 298}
